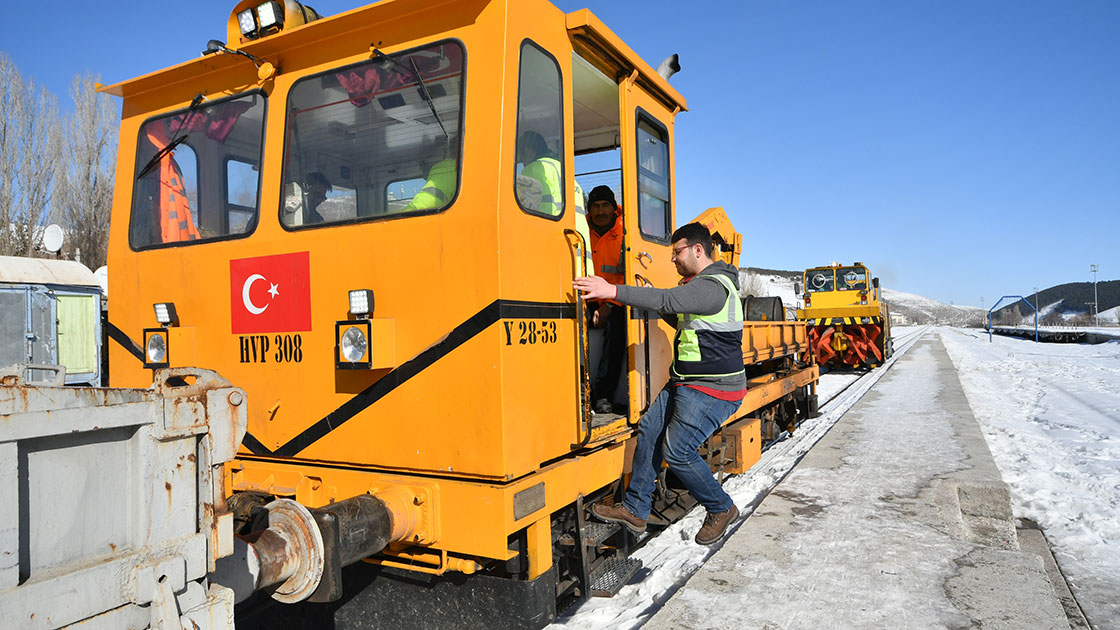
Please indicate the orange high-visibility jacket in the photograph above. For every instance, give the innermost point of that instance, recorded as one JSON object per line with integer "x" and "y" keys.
{"x": 175, "y": 220}
{"x": 606, "y": 251}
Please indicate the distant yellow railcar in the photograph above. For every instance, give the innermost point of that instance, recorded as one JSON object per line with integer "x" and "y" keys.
{"x": 345, "y": 217}
{"x": 849, "y": 324}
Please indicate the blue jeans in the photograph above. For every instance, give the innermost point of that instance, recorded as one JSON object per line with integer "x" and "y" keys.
{"x": 693, "y": 417}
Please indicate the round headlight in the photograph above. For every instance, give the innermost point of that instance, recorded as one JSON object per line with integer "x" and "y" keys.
{"x": 157, "y": 349}
{"x": 353, "y": 344}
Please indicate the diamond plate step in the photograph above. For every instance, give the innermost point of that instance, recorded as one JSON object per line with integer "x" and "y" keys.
{"x": 595, "y": 533}
{"x": 612, "y": 575}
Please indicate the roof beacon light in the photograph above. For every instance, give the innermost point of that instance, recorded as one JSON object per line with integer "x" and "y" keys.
{"x": 165, "y": 313}
{"x": 361, "y": 302}
{"x": 248, "y": 23}
{"x": 270, "y": 15}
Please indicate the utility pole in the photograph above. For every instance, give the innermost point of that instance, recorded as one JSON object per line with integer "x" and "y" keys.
{"x": 1096, "y": 305}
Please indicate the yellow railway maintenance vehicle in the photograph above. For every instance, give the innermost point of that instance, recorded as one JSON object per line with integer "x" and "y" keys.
{"x": 370, "y": 223}
{"x": 849, "y": 324}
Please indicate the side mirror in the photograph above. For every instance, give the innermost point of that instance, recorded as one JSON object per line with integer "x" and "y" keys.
{"x": 797, "y": 288}
{"x": 875, "y": 282}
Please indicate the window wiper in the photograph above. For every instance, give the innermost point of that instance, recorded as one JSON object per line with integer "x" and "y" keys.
{"x": 423, "y": 86}
{"x": 195, "y": 102}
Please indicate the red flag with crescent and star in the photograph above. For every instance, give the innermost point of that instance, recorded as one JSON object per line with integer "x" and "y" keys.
{"x": 270, "y": 293}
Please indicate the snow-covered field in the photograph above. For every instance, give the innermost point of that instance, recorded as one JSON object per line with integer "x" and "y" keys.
{"x": 1051, "y": 415}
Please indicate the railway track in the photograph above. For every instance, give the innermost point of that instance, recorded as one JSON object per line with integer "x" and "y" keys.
{"x": 849, "y": 377}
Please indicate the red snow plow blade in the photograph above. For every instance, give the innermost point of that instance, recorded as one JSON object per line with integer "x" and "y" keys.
{"x": 855, "y": 345}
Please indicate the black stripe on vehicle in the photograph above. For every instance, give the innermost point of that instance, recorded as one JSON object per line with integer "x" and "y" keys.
{"x": 117, "y": 335}
{"x": 254, "y": 445}
{"x": 480, "y": 321}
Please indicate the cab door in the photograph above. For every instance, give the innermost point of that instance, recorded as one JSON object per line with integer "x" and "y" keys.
{"x": 647, "y": 168}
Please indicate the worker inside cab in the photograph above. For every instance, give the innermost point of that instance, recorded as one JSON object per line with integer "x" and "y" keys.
{"x": 302, "y": 201}
{"x": 442, "y": 181}
{"x": 539, "y": 184}
{"x": 607, "y": 252}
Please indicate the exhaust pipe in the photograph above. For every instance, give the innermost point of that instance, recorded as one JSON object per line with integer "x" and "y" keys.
{"x": 670, "y": 66}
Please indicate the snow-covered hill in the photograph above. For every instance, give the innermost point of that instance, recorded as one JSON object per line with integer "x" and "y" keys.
{"x": 916, "y": 309}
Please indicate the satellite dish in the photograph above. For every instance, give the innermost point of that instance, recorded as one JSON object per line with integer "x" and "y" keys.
{"x": 52, "y": 238}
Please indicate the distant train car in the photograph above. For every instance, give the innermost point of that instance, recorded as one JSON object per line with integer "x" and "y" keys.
{"x": 849, "y": 324}
{"x": 371, "y": 223}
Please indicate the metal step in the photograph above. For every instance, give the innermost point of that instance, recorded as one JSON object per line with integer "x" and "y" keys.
{"x": 603, "y": 419}
{"x": 612, "y": 575}
{"x": 595, "y": 533}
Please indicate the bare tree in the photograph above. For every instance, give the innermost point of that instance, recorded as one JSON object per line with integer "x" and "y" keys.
{"x": 29, "y": 147}
{"x": 86, "y": 175}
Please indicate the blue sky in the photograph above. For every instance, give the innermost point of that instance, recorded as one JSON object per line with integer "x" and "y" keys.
{"x": 961, "y": 149}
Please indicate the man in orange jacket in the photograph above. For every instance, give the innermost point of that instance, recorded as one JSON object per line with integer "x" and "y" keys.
{"x": 607, "y": 252}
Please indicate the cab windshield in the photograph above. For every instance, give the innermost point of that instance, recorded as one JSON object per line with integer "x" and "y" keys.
{"x": 374, "y": 140}
{"x": 206, "y": 186}
{"x": 817, "y": 280}
{"x": 851, "y": 279}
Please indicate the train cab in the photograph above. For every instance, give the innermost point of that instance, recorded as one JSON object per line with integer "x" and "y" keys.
{"x": 849, "y": 324}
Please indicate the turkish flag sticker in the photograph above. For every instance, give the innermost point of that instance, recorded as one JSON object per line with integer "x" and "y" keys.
{"x": 270, "y": 293}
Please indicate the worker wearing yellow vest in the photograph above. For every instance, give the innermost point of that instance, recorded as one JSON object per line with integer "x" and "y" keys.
{"x": 543, "y": 167}
{"x": 607, "y": 253}
{"x": 439, "y": 190}
{"x": 707, "y": 382}
{"x": 542, "y": 170}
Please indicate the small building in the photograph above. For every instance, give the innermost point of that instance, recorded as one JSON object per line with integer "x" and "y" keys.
{"x": 50, "y": 314}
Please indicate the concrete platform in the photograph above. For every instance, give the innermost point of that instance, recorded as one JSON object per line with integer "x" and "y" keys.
{"x": 897, "y": 518}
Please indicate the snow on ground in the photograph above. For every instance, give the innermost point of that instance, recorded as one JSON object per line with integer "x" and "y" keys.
{"x": 671, "y": 557}
{"x": 1051, "y": 416}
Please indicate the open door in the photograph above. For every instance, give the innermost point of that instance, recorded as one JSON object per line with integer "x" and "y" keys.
{"x": 647, "y": 172}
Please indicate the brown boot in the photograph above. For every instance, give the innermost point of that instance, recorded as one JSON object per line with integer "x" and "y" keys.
{"x": 617, "y": 513}
{"x": 715, "y": 524}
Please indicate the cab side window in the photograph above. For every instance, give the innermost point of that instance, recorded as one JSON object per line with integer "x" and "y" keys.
{"x": 539, "y": 180}
{"x": 653, "y": 180}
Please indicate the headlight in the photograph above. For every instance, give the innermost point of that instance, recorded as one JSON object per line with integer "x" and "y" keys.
{"x": 353, "y": 345}
{"x": 155, "y": 348}
{"x": 270, "y": 14}
{"x": 248, "y": 22}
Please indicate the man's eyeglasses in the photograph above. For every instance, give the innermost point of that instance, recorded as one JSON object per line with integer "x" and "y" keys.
{"x": 677, "y": 251}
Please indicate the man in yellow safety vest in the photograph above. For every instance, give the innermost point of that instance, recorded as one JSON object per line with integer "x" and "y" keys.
{"x": 707, "y": 381}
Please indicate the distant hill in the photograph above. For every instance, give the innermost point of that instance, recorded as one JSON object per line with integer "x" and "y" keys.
{"x": 1064, "y": 302}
